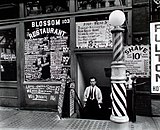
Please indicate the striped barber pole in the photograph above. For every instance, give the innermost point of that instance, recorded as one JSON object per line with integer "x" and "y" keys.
{"x": 118, "y": 77}
{"x": 119, "y": 105}
{"x": 118, "y": 46}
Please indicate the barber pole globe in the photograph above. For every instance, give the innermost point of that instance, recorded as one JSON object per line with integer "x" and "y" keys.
{"x": 118, "y": 79}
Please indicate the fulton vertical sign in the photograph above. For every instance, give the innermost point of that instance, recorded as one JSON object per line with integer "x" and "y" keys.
{"x": 155, "y": 56}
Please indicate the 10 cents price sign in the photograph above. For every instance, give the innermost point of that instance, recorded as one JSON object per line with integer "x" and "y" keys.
{"x": 137, "y": 60}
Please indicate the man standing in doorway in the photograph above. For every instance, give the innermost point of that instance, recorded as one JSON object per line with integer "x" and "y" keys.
{"x": 92, "y": 100}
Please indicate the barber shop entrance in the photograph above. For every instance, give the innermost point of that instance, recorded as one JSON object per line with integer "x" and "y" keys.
{"x": 95, "y": 65}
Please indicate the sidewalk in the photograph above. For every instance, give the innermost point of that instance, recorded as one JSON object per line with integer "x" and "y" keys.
{"x": 14, "y": 119}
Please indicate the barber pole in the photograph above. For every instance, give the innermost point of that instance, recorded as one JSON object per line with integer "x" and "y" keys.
{"x": 117, "y": 44}
{"x": 118, "y": 79}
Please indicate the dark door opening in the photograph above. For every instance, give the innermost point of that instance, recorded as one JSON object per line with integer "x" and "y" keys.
{"x": 94, "y": 65}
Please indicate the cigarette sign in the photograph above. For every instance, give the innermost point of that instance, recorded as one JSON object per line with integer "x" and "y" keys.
{"x": 155, "y": 57}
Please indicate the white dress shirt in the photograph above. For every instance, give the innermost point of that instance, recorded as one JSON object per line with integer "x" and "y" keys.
{"x": 96, "y": 92}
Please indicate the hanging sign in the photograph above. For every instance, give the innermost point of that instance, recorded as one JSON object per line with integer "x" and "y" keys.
{"x": 155, "y": 56}
{"x": 137, "y": 60}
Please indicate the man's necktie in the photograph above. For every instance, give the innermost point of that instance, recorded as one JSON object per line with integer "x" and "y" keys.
{"x": 91, "y": 93}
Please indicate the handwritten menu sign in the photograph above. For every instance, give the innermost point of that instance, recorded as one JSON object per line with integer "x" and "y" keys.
{"x": 47, "y": 50}
{"x": 43, "y": 92}
{"x": 47, "y": 60}
{"x": 93, "y": 34}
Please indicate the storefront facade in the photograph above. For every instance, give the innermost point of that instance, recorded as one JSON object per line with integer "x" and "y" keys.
{"x": 46, "y": 45}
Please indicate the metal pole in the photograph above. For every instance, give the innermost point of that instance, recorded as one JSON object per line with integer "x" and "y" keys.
{"x": 118, "y": 79}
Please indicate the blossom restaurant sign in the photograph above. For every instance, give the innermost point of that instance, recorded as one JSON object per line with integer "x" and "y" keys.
{"x": 155, "y": 56}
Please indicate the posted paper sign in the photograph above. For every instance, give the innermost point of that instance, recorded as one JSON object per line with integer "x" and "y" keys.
{"x": 155, "y": 57}
{"x": 137, "y": 60}
{"x": 93, "y": 34}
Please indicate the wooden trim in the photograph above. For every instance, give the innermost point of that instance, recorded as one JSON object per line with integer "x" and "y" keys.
{"x": 141, "y": 33}
{"x": 10, "y": 97}
{"x": 80, "y": 13}
{"x": 142, "y": 4}
{"x": 41, "y": 83}
{"x": 143, "y": 93}
{"x": 72, "y": 6}
{"x": 129, "y": 28}
{"x": 96, "y": 50}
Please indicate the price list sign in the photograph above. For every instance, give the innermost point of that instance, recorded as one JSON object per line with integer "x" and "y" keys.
{"x": 93, "y": 34}
{"x": 137, "y": 60}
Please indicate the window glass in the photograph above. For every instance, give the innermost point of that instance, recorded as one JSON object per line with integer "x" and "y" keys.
{"x": 35, "y": 7}
{"x": 7, "y": 7}
{"x": 93, "y": 4}
{"x": 8, "y": 71}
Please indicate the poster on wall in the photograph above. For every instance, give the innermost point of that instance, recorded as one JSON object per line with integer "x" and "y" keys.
{"x": 155, "y": 56}
{"x": 137, "y": 60}
{"x": 93, "y": 34}
{"x": 47, "y": 50}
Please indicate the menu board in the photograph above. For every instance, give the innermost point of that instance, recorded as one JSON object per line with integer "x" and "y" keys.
{"x": 47, "y": 61}
{"x": 43, "y": 92}
{"x": 94, "y": 34}
{"x": 47, "y": 55}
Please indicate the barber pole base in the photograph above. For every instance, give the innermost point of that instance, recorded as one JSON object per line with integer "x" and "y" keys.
{"x": 118, "y": 95}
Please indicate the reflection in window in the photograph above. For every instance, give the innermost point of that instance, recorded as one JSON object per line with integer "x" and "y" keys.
{"x": 35, "y": 7}
{"x": 93, "y": 4}
{"x": 8, "y": 55}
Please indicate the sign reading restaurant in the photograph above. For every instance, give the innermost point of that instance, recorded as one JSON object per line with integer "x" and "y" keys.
{"x": 155, "y": 56}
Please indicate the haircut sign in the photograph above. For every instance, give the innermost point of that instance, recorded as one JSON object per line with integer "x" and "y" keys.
{"x": 155, "y": 57}
{"x": 137, "y": 60}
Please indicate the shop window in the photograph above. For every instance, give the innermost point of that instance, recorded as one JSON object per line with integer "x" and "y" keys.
{"x": 8, "y": 70}
{"x": 34, "y": 7}
{"x": 93, "y": 4}
{"x": 7, "y": 8}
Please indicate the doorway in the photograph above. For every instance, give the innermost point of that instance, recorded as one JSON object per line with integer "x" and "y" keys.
{"x": 94, "y": 64}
